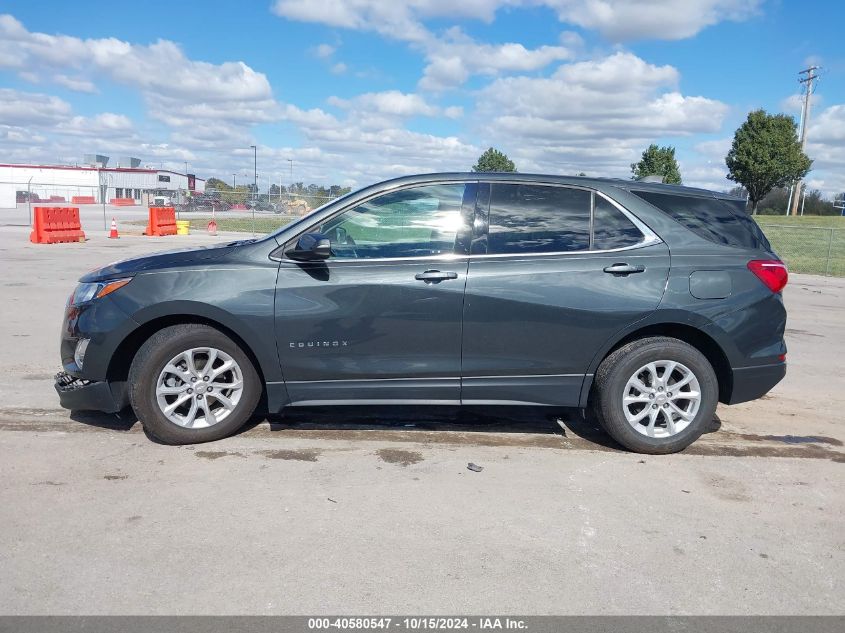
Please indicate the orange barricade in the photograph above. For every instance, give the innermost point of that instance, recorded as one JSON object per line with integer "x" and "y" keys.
{"x": 123, "y": 202}
{"x": 162, "y": 221}
{"x": 52, "y": 225}
{"x": 82, "y": 200}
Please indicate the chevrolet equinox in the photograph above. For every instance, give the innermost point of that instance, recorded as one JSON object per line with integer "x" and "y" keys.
{"x": 647, "y": 303}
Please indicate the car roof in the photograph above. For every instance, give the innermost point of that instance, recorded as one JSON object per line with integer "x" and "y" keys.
{"x": 585, "y": 181}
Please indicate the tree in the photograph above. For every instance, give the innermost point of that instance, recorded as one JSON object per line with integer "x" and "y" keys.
{"x": 658, "y": 161}
{"x": 216, "y": 184}
{"x": 765, "y": 154}
{"x": 494, "y": 160}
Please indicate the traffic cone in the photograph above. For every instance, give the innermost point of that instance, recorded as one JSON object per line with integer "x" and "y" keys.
{"x": 212, "y": 227}
{"x": 113, "y": 233}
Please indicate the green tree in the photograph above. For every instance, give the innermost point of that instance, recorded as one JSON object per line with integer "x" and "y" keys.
{"x": 493, "y": 160}
{"x": 216, "y": 184}
{"x": 658, "y": 161}
{"x": 766, "y": 154}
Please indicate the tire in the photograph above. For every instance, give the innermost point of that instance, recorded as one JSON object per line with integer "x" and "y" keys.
{"x": 618, "y": 400}
{"x": 154, "y": 379}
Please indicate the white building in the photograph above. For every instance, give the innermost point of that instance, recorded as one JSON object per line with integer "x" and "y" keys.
{"x": 61, "y": 183}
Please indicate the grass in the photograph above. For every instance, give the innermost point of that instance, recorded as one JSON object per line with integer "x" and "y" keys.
{"x": 804, "y": 242}
{"x": 263, "y": 224}
{"x": 826, "y": 221}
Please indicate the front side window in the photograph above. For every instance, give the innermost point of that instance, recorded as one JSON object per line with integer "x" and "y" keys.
{"x": 419, "y": 222}
{"x": 538, "y": 219}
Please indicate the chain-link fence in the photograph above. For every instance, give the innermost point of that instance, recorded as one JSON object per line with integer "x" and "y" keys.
{"x": 17, "y": 199}
{"x": 809, "y": 249}
{"x": 245, "y": 211}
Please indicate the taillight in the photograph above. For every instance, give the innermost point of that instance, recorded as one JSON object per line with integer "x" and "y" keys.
{"x": 771, "y": 272}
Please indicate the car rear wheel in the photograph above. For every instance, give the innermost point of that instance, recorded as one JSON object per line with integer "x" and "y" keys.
{"x": 191, "y": 383}
{"x": 656, "y": 395}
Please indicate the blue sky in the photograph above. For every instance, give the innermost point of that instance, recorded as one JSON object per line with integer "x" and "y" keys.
{"x": 360, "y": 90}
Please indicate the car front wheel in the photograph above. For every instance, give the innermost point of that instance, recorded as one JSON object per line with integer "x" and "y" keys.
{"x": 191, "y": 383}
{"x": 656, "y": 395}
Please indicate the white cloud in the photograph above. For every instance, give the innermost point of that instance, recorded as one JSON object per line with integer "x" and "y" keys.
{"x": 339, "y": 68}
{"x": 622, "y": 20}
{"x": 826, "y": 146}
{"x": 455, "y": 57}
{"x": 370, "y": 143}
{"x": 74, "y": 83}
{"x": 324, "y": 51}
{"x": 452, "y": 58}
{"x": 596, "y": 114}
{"x": 29, "y": 108}
{"x": 617, "y": 20}
{"x": 390, "y": 103}
{"x": 176, "y": 87}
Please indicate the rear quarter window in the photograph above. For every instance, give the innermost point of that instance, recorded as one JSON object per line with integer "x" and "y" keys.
{"x": 710, "y": 218}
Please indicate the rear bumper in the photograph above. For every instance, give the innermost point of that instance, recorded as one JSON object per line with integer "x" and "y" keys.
{"x": 77, "y": 394}
{"x": 751, "y": 383}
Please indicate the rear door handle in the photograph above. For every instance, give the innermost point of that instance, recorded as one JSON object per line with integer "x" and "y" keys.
{"x": 434, "y": 276}
{"x": 624, "y": 269}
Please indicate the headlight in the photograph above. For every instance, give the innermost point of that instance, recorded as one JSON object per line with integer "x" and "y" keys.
{"x": 88, "y": 291}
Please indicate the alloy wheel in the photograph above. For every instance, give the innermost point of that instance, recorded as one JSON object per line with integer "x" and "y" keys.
{"x": 661, "y": 398}
{"x": 199, "y": 387}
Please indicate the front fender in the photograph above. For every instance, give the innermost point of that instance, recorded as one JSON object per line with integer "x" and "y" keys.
{"x": 239, "y": 299}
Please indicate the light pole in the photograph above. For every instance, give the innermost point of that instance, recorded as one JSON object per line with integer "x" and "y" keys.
{"x": 233, "y": 182}
{"x": 290, "y": 160}
{"x": 254, "y": 169}
{"x": 254, "y": 183}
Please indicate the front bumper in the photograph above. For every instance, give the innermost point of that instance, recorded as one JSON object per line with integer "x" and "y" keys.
{"x": 751, "y": 383}
{"x": 78, "y": 394}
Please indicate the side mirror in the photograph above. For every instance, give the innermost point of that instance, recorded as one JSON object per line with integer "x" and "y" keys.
{"x": 311, "y": 247}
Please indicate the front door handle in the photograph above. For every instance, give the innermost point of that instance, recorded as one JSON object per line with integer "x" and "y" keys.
{"x": 624, "y": 269}
{"x": 434, "y": 276}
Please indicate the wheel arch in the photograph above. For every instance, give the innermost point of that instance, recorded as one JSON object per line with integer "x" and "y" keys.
{"x": 690, "y": 334}
{"x": 117, "y": 372}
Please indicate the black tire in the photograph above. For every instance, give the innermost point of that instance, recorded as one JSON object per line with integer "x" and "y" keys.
{"x": 614, "y": 373}
{"x": 148, "y": 363}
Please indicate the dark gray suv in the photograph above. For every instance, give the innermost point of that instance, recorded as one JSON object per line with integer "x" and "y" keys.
{"x": 648, "y": 303}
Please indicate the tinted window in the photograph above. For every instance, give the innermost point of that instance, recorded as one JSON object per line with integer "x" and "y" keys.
{"x": 418, "y": 222}
{"x": 706, "y": 217}
{"x": 538, "y": 219}
{"x": 611, "y": 229}
{"x": 738, "y": 208}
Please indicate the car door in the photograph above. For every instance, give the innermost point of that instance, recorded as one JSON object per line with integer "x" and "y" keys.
{"x": 380, "y": 320}
{"x": 554, "y": 272}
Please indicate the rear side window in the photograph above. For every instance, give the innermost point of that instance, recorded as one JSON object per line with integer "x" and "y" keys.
{"x": 737, "y": 207}
{"x": 538, "y": 219}
{"x": 611, "y": 229}
{"x": 709, "y": 218}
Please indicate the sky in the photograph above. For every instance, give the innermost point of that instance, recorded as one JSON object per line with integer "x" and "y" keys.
{"x": 352, "y": 92}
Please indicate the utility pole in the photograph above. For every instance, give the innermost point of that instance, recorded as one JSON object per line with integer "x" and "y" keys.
{"x": 808, "y": 78}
